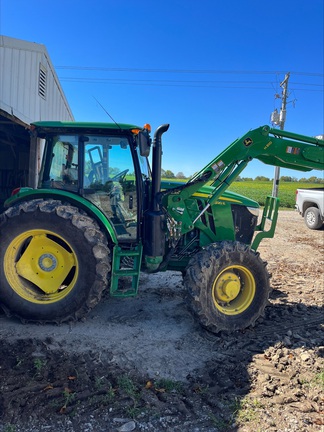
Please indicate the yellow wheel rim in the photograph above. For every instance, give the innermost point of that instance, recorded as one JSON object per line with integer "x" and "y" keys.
{"x": 233, "y": 290}
{"x": 41, "y": 266}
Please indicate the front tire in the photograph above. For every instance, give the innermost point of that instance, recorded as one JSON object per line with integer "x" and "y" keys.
{"x": 227, "y": 286}
{"x": 313, "y": 218}
{"x": 54, "y": 262}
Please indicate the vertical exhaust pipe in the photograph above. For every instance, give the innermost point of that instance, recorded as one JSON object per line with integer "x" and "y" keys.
{"x": 157, "y": 166}
{"x": 154, "y": 219}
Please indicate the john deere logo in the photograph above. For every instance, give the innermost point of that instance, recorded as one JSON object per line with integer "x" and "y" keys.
{"x": 247, "y": 142}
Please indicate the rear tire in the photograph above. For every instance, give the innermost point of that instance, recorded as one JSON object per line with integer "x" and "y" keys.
{"x": 54, "y": 262}
{"x": 227, "y": 286}
{"x": 313, "y": 218}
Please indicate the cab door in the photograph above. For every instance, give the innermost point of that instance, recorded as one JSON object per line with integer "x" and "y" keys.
{"x": 110, "y": 183}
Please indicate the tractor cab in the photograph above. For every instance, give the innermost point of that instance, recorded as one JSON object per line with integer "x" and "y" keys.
{"x": 106, "y": 168}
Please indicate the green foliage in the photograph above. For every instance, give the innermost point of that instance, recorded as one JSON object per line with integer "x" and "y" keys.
{"x": 312, "y": 179}
{"x": 246, "y": 410}
{"x": 9, "y": 428}
{"x": 126, "y": 384}
{"x": 39, "y": 364}
{"x": 259, "y": 190}
{"x": 168, "y": 385}
{"x": 319, "y": 379}
{"x": 169, "y": 174}
{"x": 262, "y": 178}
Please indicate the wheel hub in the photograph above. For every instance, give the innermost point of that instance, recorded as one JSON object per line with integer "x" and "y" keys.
{"x": 46, "y": 270}
{"x": 47, "y": 262}
{"x": 310, "y": 218}
{"x": 227, "y": 287}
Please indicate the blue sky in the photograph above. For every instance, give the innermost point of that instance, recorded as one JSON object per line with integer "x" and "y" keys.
{"x": 211, "y": 68}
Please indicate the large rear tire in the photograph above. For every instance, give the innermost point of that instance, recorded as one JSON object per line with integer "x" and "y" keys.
{"x": 54, "y": 262}
{"x": 227, "y": 286}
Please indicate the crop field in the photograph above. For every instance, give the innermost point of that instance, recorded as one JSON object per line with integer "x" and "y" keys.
{"x": 259, "y": 190}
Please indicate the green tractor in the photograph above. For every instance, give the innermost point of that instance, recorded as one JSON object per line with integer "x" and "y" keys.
{"x": 95, "y": 216}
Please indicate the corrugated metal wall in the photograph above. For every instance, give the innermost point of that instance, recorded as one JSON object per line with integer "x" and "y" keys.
{"x": 29, "y": 87}
{"x": 29, "y": 91}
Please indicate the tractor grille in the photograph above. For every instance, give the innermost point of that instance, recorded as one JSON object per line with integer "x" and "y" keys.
{"x": 207, "y": 218}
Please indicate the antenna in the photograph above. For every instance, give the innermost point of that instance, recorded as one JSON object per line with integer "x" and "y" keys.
{"x": 107, "y": 112}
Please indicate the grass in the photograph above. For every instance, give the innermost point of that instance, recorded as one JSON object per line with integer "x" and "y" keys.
{"x": 168, "y": 385}
{"x": 319, "y": 379}
{"x": 126, "y": 384}
{"x": 316, "y": 381}
{"x": 39, "y": 364}
{"x": 9, "y": 428}
{"x": 246, "y": 410}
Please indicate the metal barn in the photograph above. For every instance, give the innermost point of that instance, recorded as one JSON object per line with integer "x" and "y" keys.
{"x": 29, "y": 91}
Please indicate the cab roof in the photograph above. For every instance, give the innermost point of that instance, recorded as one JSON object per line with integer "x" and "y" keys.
{"x": 83, "y": 125}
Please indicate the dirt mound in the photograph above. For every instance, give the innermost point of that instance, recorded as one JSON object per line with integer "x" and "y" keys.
{"x": 144, "y": 364}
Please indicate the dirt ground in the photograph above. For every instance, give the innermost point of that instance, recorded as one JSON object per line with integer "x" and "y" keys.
{"x": 144, "y": 364}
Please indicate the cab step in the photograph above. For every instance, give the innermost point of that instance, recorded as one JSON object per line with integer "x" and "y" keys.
{"x": 126, "y": 271}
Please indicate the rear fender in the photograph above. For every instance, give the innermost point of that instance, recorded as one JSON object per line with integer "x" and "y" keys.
{"x": 27, "y": 194}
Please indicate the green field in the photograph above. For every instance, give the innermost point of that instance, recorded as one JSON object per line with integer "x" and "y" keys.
{"x": 259, "y": 190}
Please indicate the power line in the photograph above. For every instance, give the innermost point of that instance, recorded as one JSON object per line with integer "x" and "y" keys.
{"x": 179, "y": 81}
{"x": 187, "y": 83}
{"x": 184, "y": 71}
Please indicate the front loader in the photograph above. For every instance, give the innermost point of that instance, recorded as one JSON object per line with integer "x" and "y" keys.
{"x": 99, "y": 216}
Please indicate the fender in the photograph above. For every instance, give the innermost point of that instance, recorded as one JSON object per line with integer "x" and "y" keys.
{"x": 27, "y": 194}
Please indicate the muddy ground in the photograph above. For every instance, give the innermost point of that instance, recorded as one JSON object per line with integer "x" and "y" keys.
{"x": 144, "y": 364}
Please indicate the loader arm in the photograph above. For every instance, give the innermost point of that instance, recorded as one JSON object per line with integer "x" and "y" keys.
{"x": 270, "y": 146}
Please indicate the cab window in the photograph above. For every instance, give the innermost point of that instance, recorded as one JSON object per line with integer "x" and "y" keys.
{"x": 64, "y": 165}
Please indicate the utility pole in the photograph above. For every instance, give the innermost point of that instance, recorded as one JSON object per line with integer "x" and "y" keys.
{"x": 279, "y": 119}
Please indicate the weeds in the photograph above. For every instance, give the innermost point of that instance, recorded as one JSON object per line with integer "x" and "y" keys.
{"x": 134, "y": 411}
{"x": 19, "y": 362}
{"x": 127, "y": 385}
{"x": 168, "y": 385}
{"x": 68, "y": 396}
{"x": 9, "y": 428}
{"x": 220, "y": 424}
{"x": 109, "y": 396}
{"x": 39, "y": 364}
{"x": 99, "y": 382}
{"x": 316, "y": 380}
{"x": 245, "y": 410}
{"x": 319, "y": 379}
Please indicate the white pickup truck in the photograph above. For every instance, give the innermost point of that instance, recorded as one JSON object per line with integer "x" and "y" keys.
{"x": 310, "y": 204}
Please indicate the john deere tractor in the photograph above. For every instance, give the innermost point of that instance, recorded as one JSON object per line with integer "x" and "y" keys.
{"x": 98, "y": 216}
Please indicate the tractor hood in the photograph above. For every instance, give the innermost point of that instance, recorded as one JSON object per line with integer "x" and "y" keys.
{"x": 206, "y": 191}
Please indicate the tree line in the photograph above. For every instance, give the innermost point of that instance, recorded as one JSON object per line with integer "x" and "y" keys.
{"x": 180, "y": 175}
{"x": 312, "y": 179}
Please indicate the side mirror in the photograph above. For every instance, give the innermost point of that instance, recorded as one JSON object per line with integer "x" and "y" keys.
{"x": 144, "y": 143}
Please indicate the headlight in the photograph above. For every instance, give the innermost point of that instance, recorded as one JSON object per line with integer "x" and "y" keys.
{"x": 254, "y": 210}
